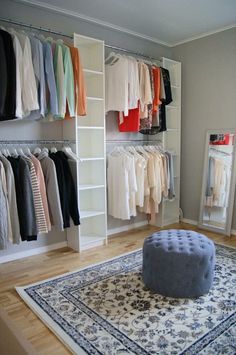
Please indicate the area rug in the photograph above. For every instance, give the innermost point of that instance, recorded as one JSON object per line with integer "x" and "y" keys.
{"x": 105, "y": 309}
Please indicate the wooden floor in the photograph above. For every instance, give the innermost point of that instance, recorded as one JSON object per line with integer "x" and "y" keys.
{"x": 40, "y": 267}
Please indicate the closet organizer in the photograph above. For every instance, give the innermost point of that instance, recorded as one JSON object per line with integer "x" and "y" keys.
{"x": 88, "y": 133}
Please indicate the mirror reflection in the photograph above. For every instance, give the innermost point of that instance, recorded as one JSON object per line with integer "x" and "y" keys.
{"x": 219, "y": 171}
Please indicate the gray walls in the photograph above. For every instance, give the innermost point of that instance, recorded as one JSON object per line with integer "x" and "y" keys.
{"x": 208, "y": 102}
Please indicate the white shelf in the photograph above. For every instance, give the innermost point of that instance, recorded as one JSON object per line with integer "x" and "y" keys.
{"x": 90, "y": 187}
{"x": 90, "y": 213}
{"x": 91, "y": 159}
{"x": 92, "y": 72}
{"x": 89, "y": 127}
{"x": 93, "y": 98}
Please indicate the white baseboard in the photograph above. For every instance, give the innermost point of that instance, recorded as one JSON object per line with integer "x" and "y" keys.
{"x": 195, "y": 223}
{"x": 112, "y": 231}
{"x": 189, "y": 221}
{"x": 35, "y": 251}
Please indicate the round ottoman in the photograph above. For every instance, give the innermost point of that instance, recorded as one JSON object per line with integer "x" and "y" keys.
{"x": 178, "y": 263}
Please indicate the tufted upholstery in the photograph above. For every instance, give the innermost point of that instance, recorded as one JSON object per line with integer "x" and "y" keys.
{"x": 178, "y": 263}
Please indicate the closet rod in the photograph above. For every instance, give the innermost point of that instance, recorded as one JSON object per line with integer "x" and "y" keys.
{"x": 44, "y": 29}
{"x": 132, "y": 140}
{"x": 37, "y": 141}
{"x": 220, "y": 151}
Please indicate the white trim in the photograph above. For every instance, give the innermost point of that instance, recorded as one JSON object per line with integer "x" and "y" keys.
{"x": 125, "y": 228}
{"x": 189, "y": 221}
{"x": 91, "y": 20}
{"x": 195, "y": 223}
{"x": 35, "y": 251}
{"x": 202, "y": 35}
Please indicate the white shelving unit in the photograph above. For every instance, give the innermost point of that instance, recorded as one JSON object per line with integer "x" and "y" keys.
{"x": 169, "y": 209}
{"x": 89, "y": 135}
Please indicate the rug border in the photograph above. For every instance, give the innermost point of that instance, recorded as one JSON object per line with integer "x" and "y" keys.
{"x": 47, "y": 320}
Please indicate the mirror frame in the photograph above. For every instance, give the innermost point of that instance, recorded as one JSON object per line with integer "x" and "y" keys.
{"x": 229, "y": 214}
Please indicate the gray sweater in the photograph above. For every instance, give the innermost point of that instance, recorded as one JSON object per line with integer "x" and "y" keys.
{"x": 11, "y": 195}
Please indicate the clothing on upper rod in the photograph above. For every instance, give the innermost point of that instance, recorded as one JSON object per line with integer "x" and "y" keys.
{"x": 138, "y": 177}
{"x": 139, "y": 91}
{"x": 37, "y": 192}
{"x": 40, "y": 78}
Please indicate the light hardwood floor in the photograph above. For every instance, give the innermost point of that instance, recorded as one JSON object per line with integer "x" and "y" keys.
{"x": 40, "y": 267}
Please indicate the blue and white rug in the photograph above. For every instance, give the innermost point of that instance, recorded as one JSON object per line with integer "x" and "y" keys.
{"x": 105, "y": 309}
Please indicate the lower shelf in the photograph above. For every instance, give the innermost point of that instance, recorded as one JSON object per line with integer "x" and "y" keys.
{"x": 90, "y": 213}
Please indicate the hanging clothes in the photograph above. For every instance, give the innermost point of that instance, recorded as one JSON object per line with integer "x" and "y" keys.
{"x": 117, "y": 86}
{"x": 38, "y": 204}
{"x": 29, "y": 88}
{"x": 53, "y": 197}
{"x": 38, "y": 64}
{"x": 51, "y": 89}
{"x": 5, "y": 224}
{"x": 67, "y": 191}
{"x": 24, "y": 197}
{"x": 138, "y": 178}
{"x": 79, "y": 83}
{"x": 166, "y": 97}
{"x": 19, "y": 57}
{"x": 8, "y": 78}
{"x": 11, "y": 196}
{"x": 42, "y": 190}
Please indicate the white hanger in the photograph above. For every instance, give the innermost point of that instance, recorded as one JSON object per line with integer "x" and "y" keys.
{"x": 114, "y": 58}
{"x": 44, "y": 150}
{"x": 14, "y": 153}
{"x": 53, "y": 150}
{"x": 27, "y": 151}
{"x": 68, "y": 151}
{"x": 37, "y": 150}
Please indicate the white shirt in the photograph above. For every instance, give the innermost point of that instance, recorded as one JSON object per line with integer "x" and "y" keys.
{"x": 117, "y": 86}
{"x": 133, "y": 77}
{"x": 29, "y": 88}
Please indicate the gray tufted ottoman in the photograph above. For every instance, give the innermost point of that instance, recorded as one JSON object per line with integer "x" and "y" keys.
{"x": 178, "y": 263}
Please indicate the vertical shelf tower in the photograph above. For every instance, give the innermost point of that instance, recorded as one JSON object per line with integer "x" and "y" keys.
{"x": 89, "y": 135}
{"x": 169, "y": 211}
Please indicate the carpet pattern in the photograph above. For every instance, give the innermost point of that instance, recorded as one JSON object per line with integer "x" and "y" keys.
{"x": 105, "y": 309}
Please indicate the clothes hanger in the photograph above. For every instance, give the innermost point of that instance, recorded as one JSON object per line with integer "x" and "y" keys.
{"x": 53, "y": 150}
{"x": 37, "y": 150}
{"x": 44, "y": 150}
{"x": 28, "y": 151}
{"x": 114, "y": 58}
{"x": 70, "y": 154}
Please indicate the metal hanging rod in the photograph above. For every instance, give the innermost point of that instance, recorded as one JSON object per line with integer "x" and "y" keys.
{"x": 37, "y": 141}
{"x": 48, "y": 30}
{"x": 132, "y": 52}
{"x": 108, "y": 141}
{"x": 39, "y": 28}
{"x": 220, "y": 151}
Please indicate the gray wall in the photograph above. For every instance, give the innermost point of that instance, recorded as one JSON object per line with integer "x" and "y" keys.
{"x": 36, "y": 130}
{"x": 208, "y": 102}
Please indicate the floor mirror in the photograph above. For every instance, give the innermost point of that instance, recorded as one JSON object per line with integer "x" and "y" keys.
{"x": 218, "y": 182}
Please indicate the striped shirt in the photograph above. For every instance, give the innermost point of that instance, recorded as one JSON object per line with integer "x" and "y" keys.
{"x": 38, "y": 204}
